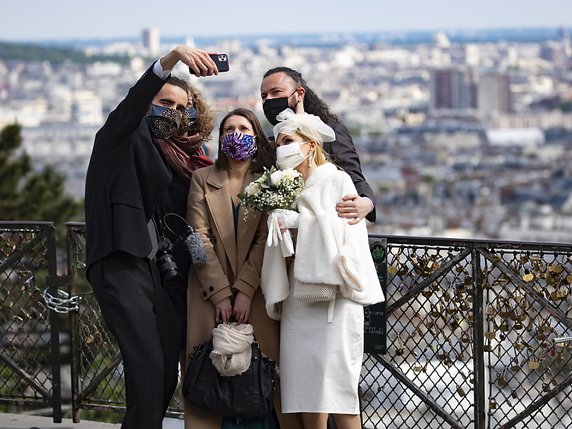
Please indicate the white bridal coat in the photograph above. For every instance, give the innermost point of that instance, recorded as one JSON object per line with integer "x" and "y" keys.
{"x": 321, "y": 344}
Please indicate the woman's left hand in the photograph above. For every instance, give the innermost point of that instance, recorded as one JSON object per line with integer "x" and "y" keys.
{"x": 241, "y": 308}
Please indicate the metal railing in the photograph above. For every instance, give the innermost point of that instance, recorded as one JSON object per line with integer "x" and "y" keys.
{"x": 476, "y": 335}
{"x": 471, "y": 331}
{"x": 29, "y": 332}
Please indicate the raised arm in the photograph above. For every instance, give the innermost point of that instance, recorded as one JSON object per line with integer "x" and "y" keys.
{"x": 128, "y": 114}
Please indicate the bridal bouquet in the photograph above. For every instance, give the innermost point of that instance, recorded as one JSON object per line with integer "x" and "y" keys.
{"x": 275, "y": 189}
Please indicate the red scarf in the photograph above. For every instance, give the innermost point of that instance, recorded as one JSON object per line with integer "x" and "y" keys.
{"x": 184, "y": 154}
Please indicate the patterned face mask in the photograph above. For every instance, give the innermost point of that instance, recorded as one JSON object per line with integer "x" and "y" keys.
{"x": 163, "y": 122}
{"x": 238, "y": 146}
{"x": 190, "y": 118}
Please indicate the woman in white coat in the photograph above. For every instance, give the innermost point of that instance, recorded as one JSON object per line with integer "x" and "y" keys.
{"x": 320, "y": 297}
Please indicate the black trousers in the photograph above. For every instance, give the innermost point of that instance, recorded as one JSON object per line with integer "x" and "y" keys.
{"x": 140, "y": 315}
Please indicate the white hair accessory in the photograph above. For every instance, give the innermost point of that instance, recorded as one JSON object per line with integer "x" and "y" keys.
{"x": 309, "y": 125}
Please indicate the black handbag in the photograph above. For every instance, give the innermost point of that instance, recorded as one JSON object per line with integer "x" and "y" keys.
{"x": 250, "y": 394}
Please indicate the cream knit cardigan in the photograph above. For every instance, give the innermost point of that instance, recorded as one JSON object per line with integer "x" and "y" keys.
{"x": 328, "y": 250}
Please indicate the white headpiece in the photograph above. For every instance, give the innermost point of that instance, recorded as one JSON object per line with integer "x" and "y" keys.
{"x": 309, "y": 125}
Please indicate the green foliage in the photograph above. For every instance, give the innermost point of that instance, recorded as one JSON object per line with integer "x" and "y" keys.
{"x": 27, "y": 52}
{"x": 29, "y": 195}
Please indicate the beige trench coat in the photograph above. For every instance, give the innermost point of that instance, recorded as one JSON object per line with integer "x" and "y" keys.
{"x": 232, "y": 265}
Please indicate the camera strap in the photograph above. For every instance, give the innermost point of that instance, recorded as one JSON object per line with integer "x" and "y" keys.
{"x": 159, "y": 223}
{"x": 181, "y": 232}
{"x": 189, "y": 238}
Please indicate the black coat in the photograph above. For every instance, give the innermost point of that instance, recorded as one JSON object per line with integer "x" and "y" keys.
{"x": 344, "y": 155}
{"x": 126, "y": 178}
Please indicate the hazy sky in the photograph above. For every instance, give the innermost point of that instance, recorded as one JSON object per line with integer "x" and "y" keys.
{"x": 67, "y": 19}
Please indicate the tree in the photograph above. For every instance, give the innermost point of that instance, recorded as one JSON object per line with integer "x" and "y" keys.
{"x": 30, "y": 52}
{"x": 29, "y": 195}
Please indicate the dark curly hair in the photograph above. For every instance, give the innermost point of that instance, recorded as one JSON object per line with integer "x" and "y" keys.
{"x": 312, "y": 103}
{"x": 265, "y": 154}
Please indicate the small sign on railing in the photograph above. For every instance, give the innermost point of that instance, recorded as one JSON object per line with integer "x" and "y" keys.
{"x": 375, "y": 316}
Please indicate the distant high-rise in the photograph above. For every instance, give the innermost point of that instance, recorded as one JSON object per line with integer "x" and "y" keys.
{"x": 552, "y": 51}
{"x": 86, "y": 108}
{"x": 472, "y": 54}
{"x": 151, "y": 41}
{"x": 564, "y": 39}
{"x": 451, "y": 88}
{"x": 494, "y": 94}
{"x": 441, "y": 40}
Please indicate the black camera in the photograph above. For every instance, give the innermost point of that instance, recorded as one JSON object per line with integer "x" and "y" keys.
{"x": 191, "y": 241}
{"x": 166, "y": 262}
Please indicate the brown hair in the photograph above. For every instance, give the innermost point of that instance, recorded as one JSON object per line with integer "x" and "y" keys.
{"x": 265, "y": 155}
{"x": 205, "y": 122}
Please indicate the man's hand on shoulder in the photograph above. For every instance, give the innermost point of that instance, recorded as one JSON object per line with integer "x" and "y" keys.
{"x": 354, "y": 208}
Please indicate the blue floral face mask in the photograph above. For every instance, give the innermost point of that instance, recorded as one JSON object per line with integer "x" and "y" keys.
{"x": 163, "y": 122}
{"x": 238, "y": 146}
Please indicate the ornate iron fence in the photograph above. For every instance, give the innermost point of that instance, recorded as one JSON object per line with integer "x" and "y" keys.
{"x": 29, "y": 333}
{"x": 478, "y": 335}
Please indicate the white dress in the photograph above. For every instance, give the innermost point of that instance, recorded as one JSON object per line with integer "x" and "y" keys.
{"x": 321, "y": 351}
{"x": 320, "y": 362}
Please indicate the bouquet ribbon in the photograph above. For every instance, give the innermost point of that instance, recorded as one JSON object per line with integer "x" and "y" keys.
{"x": 277, "y": 237}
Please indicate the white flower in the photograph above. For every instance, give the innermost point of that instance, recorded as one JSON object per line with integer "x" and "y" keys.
{"x": 276, "y": 177}
{"x": 290, "y": 174}
{"x": 273, "y": 189}
{"x": 253, "y": 188}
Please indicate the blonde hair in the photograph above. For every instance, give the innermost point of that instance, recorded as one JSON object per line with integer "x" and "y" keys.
{"x": 320, "y": 156}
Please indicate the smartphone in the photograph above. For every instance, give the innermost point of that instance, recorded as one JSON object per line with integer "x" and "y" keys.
{"x": 221, "y": 61}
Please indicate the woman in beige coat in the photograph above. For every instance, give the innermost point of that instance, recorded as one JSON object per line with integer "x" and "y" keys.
{"x": 226, "y": 287}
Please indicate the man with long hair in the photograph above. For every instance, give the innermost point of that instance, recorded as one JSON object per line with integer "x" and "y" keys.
{"x": 283, "y": 87}
{"x": 144, "y": 147}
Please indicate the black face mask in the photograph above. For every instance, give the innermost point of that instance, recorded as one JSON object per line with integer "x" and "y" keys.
{"x": 274, "y": 106}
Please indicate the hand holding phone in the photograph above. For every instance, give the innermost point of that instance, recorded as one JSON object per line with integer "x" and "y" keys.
{"x": 221, "y": 61}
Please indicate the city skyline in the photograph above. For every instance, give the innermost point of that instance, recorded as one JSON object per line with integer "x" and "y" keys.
{"x": 110, "y": 19}
{"x": 458, "y": 138}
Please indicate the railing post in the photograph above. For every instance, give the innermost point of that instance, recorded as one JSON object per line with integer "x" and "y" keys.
{"x": 54, "y": 330}
{"x": 478, "y": 340}
{"x": 75, "y": 339}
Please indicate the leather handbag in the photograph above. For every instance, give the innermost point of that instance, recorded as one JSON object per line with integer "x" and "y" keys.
{"x": 250, "y": 394}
